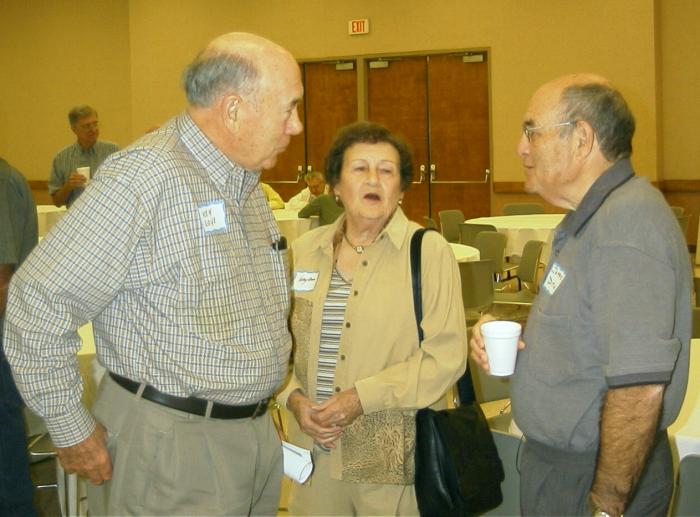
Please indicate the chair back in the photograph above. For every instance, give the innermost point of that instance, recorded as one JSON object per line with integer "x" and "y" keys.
{"x": 522, "y": 208}
{"x": 508, "y": 446}
{"x": 492, "y": 245}
{"x": 477, "y": 284}
{"x": 449, "y": 224}
{"x": 687, "y": 500}
{"x": 469, "y": 231}
{"x": 530, "y": 261}
{"x": 678, "y": 210}
{"x": 429, "y": 222}
{"x": 684, "y": 220}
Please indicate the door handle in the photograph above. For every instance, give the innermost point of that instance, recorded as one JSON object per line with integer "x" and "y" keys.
{"x": 487, "y": 174}
{"x": 421, "y": 176}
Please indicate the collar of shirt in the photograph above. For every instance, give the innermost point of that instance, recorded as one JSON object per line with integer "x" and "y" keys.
{"x": 220, "y": 169}
{"x": 619, "y": 173}
{"x": 395, "y": 230}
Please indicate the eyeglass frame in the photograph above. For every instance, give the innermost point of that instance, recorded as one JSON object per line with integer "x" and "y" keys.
{"x": 528, "y": 131}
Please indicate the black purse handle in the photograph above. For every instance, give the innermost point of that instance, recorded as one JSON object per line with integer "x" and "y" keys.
{"x": 416, "y": 242}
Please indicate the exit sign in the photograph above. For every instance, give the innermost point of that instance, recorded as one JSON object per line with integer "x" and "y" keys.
{"x": 358, "y": 26}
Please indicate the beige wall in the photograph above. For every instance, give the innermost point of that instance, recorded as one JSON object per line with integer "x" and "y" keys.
{"x": 125, "y": 58}
{"x": 679, "y": 22}
{"x": 55, "y": 54}
{"x": 530, "y": 42}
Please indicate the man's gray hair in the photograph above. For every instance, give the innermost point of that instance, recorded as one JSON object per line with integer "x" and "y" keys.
{"x": 606, "y": 111}
{"x": 80, "y": 112}
{"x": 211, "y": 75}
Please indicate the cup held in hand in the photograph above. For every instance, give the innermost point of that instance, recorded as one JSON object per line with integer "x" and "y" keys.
{"x": 501, "y": 341}
{"x": 85, "y": 172}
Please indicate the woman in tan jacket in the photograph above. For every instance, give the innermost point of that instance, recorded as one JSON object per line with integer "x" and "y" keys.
{"x": 359, "y": 372}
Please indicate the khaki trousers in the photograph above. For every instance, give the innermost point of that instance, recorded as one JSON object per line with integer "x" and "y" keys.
{"x": 321, "y": 495}
{"x": 166, "y": 462}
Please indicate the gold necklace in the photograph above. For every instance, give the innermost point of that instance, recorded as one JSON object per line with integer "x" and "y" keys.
{"x": 357, "y": 249}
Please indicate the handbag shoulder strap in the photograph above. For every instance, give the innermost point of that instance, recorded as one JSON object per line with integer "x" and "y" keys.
{"x": 416, "y": 243}
{"x": 416, "y": 240}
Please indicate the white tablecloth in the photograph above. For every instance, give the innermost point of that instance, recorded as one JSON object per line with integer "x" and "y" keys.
{"x": 291, "y": 226}
{"x": 685, "y": 431}
{"x": 47, "y": 216}
{"x": 522, "y": 228}
{"x": 464, "y": 253}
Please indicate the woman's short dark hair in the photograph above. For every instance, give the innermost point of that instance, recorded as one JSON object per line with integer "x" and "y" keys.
{"x": 367, "y": 133}
{"x": 606, "y": 111}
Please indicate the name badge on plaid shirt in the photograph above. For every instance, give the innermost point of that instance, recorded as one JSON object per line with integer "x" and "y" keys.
{"x": 213, "y": 216}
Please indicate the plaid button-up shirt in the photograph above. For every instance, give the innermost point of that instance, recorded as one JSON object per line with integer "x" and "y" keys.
{"x": 170, "y": 253}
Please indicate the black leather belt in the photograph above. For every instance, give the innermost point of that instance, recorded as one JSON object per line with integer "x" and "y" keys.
{"x": 192, "y": 405}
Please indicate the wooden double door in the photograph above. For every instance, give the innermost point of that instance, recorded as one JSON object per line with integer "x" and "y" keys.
{"x": 330, "y": 102}
{"x": 438, "y": 103}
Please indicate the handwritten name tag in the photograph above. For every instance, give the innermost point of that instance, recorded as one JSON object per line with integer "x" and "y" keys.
{"x": 305, "y": 280}
{"x": 554, "y": 278}
{"x": 213, "y": 216}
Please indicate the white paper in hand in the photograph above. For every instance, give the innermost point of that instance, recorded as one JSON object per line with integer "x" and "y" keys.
{"x": 298, "y": 464}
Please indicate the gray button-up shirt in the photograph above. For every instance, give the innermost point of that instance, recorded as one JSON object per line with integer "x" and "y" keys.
{"x": 614, "y": 310}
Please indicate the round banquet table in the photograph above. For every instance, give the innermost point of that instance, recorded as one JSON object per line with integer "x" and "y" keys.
{"x": 464, "y": 253}
{"x": 685, "y": 431}
{"x": 47, "y": 216}
{"x": 291, "y": 226}
{"x": 522, "y": 228}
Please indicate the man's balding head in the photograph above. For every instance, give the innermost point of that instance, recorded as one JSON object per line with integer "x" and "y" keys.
{"x": 231, "y": 62}
{"x": 593, "y": 98}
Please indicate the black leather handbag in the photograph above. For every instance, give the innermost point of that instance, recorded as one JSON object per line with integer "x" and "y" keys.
{"x": 458, "y": 470}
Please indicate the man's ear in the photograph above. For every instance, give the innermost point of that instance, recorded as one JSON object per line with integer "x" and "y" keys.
{"x": 584, "y": 138}
{"x": 229, "y": 108}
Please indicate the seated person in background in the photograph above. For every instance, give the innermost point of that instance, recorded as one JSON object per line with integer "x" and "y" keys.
{"x": 273, "y": 198}
{"x": 65, "y": 183}
{"x": 315, "y": 186}
{"x": 325, "y": 206}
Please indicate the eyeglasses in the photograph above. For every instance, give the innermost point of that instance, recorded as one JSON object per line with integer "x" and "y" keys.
{"x": 528, "y": 131}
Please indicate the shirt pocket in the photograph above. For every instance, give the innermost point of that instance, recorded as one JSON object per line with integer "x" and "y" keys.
{"x": 551, "y": 348}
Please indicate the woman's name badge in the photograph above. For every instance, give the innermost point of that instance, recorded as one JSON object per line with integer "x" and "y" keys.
{"x": 213, "y": 216}
{"x": 554, "y": 278}
{"x": 305, "y": 280}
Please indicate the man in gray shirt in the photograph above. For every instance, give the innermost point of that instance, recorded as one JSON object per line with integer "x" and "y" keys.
{"x": 65, "y": 182}
{"x": 603, "y": 365}
{"x": 18, "y": 235}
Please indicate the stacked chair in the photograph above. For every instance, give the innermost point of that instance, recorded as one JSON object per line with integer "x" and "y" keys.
{"x": 40, "y": 447}
{"x": 429, "y": 222}
{"x": 526, "y": 275}
{"x": 477, "y": 288}
{"x": 687, "y": 499}
{"x": 449, "y": 224}
{"x": 492, "y": 246}
{"x": 469, "y": 231}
